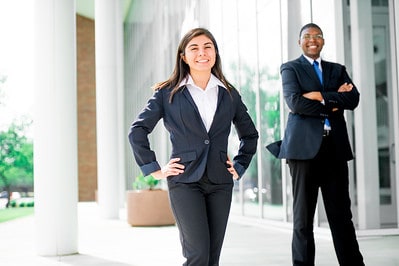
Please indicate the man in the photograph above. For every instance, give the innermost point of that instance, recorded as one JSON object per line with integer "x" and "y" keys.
{"x": 316, "y": 147}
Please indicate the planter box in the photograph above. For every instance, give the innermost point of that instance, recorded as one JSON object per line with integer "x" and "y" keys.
{"x": 149, "y": 208}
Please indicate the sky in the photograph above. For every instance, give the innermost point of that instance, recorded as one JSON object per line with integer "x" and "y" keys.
{"x": 16, "y": 59}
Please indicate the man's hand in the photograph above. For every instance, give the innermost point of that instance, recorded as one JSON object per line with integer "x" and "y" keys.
{"x": 345, "y": 87}
{"x": 316, "y": 95}
{"x": 313, "y": 95}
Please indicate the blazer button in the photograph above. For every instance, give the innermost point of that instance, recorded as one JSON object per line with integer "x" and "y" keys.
{"x": 206, "y": 141}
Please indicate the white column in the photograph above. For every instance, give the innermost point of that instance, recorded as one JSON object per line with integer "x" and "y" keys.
{"x": 294, "y": 14}
{"x": 109, "y": 87}
{"x": 55, "y": 125}
{"x": 365, "y": 116}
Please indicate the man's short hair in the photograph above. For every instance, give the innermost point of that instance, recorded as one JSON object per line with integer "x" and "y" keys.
{"x": 309, "y": 25}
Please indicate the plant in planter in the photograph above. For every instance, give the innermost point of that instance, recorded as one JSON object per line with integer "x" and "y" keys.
{"x": 148, "y": 204}
{"x": 145, "y": 182}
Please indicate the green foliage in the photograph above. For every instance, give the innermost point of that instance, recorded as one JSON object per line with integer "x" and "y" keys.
{"x": 13, "y": 204}
{"x": 145, "y": 182}
{"x": 16, "y": 157}
{"x": 24, "y": 202}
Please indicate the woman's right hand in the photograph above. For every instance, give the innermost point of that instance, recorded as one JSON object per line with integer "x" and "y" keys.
{"x": 171, "y": 169}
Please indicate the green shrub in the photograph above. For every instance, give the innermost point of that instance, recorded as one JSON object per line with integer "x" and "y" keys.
{"x": 13, "y": 203}
{"x": 145, "y": 182}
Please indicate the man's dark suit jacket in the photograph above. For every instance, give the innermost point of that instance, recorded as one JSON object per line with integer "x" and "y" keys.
{"x": 304, "y": 131}
{"x": 200, "y": 151}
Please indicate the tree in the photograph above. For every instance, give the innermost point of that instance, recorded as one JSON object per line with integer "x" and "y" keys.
{"x": 16, "y": 150}
{"x": 16, "y": 158}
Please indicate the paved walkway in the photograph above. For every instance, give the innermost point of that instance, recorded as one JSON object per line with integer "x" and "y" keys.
{"x": 115, "y": 243}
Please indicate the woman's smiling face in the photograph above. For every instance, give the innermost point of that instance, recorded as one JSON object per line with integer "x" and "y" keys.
{"x": 200, "y": 54}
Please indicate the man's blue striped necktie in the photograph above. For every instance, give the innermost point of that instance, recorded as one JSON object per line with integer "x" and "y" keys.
{"x": 316, "y": 67}
{"x": 318, "y": 71}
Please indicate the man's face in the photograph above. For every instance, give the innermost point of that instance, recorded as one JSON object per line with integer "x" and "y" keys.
{"x": 312, "y": 42}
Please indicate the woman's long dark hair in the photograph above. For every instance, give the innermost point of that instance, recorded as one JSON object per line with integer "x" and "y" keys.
{"x": 181, "y": 69}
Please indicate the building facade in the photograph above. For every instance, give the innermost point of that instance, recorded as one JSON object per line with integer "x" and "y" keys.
{"x": 135, "y": 45}
{"x": 255, "y": 37}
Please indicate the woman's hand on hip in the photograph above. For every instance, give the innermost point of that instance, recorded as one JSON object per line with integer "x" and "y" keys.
{"x": 171, "y": 169}
{"x": 231, "y": 169}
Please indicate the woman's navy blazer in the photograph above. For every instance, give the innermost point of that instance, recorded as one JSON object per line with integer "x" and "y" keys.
{"x": 201, "y": 152}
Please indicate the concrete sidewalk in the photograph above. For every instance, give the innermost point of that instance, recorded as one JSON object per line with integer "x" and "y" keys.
{"x": 115, "y": 243}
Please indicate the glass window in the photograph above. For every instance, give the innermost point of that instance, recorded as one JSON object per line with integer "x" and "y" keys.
{"x": 251, "y": 54}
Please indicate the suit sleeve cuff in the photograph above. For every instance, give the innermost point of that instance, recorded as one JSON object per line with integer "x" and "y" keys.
{"x": 239, "y": 169}
{"x": 149, "y": 168}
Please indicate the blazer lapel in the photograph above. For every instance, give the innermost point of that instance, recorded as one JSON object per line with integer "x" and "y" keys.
{"x": 190, "y": 99}
{"x": 310, "y": 71}
{"x": 221, "y": 93}
{"x": 326, "y": 73}
{"x": 216, "y": 118}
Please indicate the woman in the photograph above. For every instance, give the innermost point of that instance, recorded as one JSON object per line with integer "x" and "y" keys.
{"x": 197, "y": 105}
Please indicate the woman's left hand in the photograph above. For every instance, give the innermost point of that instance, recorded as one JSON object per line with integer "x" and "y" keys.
{"x": 231, "y": 169}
